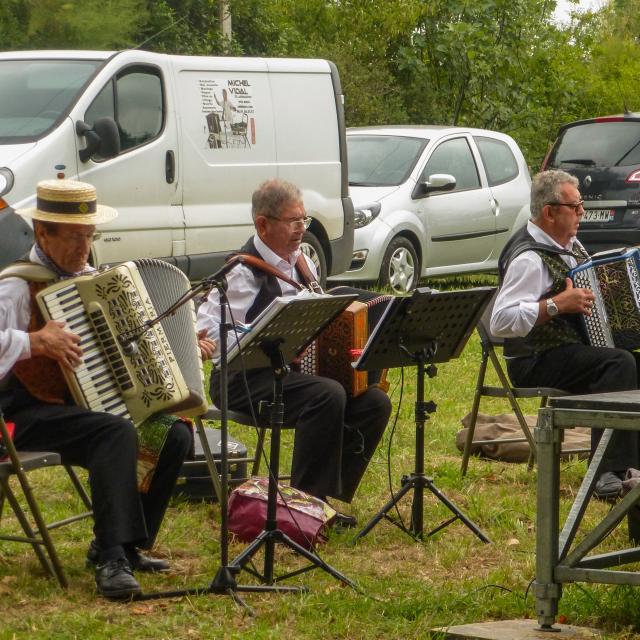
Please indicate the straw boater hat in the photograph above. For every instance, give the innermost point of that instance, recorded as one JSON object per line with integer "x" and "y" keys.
{"x": 70, "y": 202}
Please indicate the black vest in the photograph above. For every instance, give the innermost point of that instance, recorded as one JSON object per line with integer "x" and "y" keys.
{"x": 560, "y": 330}
{"x": 268, "y": 286}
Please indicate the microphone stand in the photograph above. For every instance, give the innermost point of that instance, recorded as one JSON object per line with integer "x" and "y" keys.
{"x": 224, "y": 582}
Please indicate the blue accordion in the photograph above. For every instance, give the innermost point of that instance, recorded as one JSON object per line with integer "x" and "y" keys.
{"x": 614, "y": 278}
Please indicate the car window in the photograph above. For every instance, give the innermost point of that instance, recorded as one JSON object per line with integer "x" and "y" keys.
{"x": 382, "y": 160}
{"x": 455, "y": 158}
{"x": 597, "y": 144}
{"x": 134, "y": 99}
{"x": 498, "y": 159}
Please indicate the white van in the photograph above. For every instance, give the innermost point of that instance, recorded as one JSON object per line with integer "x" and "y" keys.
{"x": 177, "y": 144}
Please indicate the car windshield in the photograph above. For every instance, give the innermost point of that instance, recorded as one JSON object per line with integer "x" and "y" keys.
{"x": 35, "y": 93}
{"x": 598, "y": 144}
{"x": 382, "y": 161}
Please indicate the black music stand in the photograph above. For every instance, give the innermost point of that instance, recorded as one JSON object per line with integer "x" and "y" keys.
{"x": 281, "y": 333}
{"x": 277, "y": 336}
{"x": 424, "y": 328}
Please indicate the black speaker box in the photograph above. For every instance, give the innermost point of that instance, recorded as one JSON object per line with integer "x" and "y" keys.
{"x": 194, "y": 482}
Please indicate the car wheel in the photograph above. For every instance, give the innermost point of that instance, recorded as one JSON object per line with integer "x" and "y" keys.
{"x": 400, "y": 266}
{"x": 312, "y": 248}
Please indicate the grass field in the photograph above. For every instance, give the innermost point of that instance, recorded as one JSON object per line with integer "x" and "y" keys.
{"x": 407, "y": 588}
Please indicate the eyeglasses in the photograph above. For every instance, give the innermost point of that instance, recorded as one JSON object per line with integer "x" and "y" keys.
{"x": 576, "y": 206}
{"x": 292, "y": 223}
{"x": 80, "y": 238}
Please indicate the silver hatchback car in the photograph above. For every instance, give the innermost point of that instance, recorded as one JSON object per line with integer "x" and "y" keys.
{"x": 432, "y": 200}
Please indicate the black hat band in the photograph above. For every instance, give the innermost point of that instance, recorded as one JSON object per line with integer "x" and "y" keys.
{"x": 54, "y": 206}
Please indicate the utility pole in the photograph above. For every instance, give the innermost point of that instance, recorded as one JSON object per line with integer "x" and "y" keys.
{"x": 224, "y": 18}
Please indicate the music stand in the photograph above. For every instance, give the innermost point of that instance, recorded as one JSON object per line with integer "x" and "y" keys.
{"x": 424, "y": 328}
{"x": 276, "y": 338}
{"x": 284, "y": 329}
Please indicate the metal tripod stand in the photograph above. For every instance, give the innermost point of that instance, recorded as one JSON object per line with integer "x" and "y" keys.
{"x": 418, "y": 481}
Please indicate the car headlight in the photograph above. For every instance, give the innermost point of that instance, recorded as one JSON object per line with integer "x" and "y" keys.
{"x": 363, "y": 215}
{"x": 6, "y": 180}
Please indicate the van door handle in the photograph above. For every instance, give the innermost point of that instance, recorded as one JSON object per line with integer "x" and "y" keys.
{"x": 170, "y": 167}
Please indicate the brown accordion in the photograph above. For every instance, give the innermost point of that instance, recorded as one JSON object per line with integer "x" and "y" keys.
{"x": 342, "y": 341}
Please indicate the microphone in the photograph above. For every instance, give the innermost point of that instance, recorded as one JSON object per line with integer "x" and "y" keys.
{"x": 217, "y": 279}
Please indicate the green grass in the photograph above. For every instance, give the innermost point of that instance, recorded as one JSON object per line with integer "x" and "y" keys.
{"x": 408, "y": 588}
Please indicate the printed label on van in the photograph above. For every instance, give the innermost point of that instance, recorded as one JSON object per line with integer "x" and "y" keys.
{"x": 229, "y": 113}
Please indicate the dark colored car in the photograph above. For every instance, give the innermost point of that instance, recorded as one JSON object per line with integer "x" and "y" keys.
{"x": 604, "y": 154}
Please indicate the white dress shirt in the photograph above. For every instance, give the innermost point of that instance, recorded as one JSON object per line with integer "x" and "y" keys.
{"x": 15, "y": 314}
{"x": 242, "y": 289}
{"x": 527, "y": 280}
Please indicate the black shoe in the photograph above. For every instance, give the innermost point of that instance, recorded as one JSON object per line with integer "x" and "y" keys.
{"x": 114, "y": 579}
{"x": 344, "y": 521}
{"x": 609, "y": 486}
{"x": 137, "y": 560}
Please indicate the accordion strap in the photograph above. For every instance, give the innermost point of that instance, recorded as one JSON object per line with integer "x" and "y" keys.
{"x": 301, "y": 266}
{"x": 29, "y": 271}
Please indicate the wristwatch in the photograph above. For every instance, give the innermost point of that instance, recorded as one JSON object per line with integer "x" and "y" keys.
{"x": 552, "y": 308}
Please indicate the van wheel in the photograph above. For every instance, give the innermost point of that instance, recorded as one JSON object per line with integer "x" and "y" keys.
{"x": 400, "y": 266}
{"x": 311, "y": 247}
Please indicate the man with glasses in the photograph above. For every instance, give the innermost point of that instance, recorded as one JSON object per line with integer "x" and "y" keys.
{"x": 35, "y": 397}
{"x": 537, "y": 312}
{"x": 335, "y": 436}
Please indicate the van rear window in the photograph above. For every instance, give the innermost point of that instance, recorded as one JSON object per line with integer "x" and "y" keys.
{"x": 597, "y": 144}
{"x": 37, "y": 93}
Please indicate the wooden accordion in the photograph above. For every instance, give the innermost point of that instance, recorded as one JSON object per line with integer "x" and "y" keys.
{"x": 335, "y": 350}
{"x": 614, "y": 278}
{"x": 163, "y": 372}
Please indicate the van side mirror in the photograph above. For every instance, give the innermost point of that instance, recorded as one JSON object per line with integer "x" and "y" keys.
{"x": 436, "y": 182}
{"x": 103, "y": 139}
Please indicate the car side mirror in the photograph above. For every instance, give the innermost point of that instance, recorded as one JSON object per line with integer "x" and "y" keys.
{"x": 436, "y": 182}
{"x": 103, "y": 139}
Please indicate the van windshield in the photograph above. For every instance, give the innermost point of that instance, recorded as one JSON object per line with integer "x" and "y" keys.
{"x": 36, "y": 93}
{"x": 382, "y": 161}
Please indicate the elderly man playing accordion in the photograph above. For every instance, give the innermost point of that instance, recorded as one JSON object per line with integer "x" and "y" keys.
{"x": 34, "y": 394}
{"x": 537, "y": 312}
{"x": 335, "y": 435}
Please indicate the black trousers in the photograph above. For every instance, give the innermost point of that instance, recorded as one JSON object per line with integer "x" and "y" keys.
{"x": 579, "y": 368}
{"x": 335, "y": 436}
{"x": 106, "y": 446}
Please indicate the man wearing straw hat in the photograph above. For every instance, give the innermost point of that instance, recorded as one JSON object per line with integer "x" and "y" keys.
{"x": 34, "y": 395}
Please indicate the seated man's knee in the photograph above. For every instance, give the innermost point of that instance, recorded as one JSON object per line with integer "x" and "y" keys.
{"x": 180, "y": 438}
{"x": 621, "y": 371}
{"x": 330, "y": 390}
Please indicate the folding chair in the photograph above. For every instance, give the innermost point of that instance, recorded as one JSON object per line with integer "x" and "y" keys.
{"x": 19, "y": 463}
{"x": 505, "y": 390}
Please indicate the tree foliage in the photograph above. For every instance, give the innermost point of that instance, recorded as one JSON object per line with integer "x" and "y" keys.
{"x": 499, "y": 64}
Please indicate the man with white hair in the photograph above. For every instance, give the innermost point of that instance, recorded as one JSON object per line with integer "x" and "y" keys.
{"x": 537, "y": 312}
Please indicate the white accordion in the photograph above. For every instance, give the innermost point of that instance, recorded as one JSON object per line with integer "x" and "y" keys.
{"x": 164, "y": 373}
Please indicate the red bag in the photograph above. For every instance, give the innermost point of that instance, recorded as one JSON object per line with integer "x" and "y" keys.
{"x": 3, "y": 448}
{"x": 303, "y": 518}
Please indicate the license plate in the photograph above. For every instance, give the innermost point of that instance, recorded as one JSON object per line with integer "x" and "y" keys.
{"x": 598, "y": 215}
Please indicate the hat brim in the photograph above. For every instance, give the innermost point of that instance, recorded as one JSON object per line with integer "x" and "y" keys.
{"x": 102, "y": 215}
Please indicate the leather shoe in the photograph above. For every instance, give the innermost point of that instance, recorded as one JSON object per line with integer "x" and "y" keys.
{"x": 344, "y": 521}
{"x": 137, "y": 561}
{"x": 114, "y": 579}
{"x": 609, "y": 486}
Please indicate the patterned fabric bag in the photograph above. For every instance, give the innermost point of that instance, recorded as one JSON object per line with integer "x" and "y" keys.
{"x": 304, "y": 518}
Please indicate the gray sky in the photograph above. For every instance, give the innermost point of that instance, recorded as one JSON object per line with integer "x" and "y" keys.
{"x": 563, "y": 7}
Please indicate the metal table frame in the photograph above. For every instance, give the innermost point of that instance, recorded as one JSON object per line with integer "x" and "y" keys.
{"x": 557, "y": 560}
